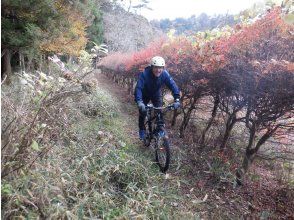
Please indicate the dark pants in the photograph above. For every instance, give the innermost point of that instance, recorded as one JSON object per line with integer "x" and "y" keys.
{"x": 157, "y": 102}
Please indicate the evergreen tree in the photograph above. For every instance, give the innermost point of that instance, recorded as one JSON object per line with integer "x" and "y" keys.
{"x": 33, "y": 28}
{"x": 24, "y": 24}
{"x": 95, "y": 29}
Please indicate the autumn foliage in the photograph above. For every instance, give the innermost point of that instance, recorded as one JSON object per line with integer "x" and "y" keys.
{"x": 248, "y": 74}
{"x": 70, "y": 40}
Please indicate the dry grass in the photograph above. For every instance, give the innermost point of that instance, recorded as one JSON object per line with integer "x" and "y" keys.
{"x": 89, "y": 167}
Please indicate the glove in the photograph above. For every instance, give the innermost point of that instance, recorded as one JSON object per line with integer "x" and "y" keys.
{"x": 177, "y": 104}
{"x": 141, "y": 106}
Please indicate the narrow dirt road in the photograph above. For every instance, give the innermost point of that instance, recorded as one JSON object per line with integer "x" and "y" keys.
{"x": 126, "y": 103}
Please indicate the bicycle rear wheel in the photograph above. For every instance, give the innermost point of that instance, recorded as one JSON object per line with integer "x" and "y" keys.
{"x": 162, "y": 154}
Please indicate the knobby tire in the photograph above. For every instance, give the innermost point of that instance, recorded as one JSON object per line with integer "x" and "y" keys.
{"x": 163, "y": 148}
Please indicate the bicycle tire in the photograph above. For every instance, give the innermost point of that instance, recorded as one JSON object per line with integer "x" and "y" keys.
{"x": 147, "y": 140}
{"x": 163, "y": 149}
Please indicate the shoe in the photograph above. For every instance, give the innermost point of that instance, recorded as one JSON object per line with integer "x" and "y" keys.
{"x": 142, "y": 134}
{"x": 161, "y": 133}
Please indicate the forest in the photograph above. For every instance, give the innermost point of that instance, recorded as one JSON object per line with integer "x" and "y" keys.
{"x": 69, "y": 145}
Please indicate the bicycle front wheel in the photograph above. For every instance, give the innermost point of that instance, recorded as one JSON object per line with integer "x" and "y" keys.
{"x": 147, "y": 140}
{"x": 162, "y": 154}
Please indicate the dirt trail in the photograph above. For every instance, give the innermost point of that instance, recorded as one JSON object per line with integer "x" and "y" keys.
{"x": 126, "y": 102}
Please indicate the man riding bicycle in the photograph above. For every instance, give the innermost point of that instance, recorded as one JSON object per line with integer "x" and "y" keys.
{"x": 148, "y": 88}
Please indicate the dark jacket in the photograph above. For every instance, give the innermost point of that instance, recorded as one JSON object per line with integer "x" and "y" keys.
{"x": 149, "y": 86}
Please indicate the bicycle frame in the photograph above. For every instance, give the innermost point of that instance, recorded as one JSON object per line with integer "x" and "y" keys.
{"x": 155, "y": 131}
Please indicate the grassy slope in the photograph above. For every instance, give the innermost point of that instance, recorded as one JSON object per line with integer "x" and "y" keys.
{"x": 98, "y": 171}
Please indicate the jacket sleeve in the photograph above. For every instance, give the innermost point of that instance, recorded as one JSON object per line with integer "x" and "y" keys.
{"x": 139, "y": 88}
{"x": 170, "y": 83}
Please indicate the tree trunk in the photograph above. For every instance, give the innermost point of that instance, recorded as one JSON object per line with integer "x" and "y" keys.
{"x": 187, "y": 115}
{"x": 248, "y": 157}
{"x": 174, "y": 119}
{"x": 185, "y": 122}
{"x": 40, "y": 66}
{"x": 22, "y": 62}
{"x": 47, "y": 64}
{"x": 247, "y": 161}
{"x": 130, "y": 86}
{"x": 7, "y": 70}
{"x": 213, "y": 114}
{"x": 229, "y": 126}
{"x": 30, "y": 64}
{"x": 250, "y": 151}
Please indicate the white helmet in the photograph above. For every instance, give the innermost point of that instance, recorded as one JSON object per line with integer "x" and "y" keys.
{"x": 157, "y": 61}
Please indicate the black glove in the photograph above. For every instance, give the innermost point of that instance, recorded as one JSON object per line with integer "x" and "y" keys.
{"x": 177, "y": 104}
{"x": 141, "y": 106}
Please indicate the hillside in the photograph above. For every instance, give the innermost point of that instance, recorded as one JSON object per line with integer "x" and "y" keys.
{"x": 95, "y": 169}
{"x": 124, "y": 31}
{"x": 194, "y": 24}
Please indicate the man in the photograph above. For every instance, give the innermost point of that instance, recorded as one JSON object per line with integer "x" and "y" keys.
{"x": 148, "y": 88}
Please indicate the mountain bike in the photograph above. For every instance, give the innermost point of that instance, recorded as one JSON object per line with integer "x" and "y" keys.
{"x": 156, "y": 135}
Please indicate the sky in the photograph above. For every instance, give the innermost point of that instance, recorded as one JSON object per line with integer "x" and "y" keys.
{"x": 186, "y": 8}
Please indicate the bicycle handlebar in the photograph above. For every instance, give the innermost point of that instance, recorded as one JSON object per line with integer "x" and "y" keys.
{"x": 165, "y": 108}
{"x": 168, "y": 107}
